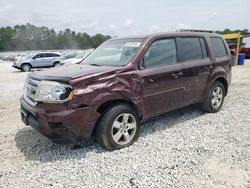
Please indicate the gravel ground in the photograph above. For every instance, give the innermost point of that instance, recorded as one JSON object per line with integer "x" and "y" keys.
{"x": 183, "y": 148}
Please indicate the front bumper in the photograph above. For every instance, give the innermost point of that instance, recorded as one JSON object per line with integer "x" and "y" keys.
{"x": 59, "y": 123}
{"x": 16, "y": 67}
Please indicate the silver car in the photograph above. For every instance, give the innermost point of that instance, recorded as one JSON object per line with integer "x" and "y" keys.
{"x": 38, "y": 60}
{"x": 77, "y": 59}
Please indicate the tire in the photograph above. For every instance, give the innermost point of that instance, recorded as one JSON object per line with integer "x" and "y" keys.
{"x": 56, "y": 64}
{"x": 118, "y": 127}
{"x": 25, "y": 67}
{"x": 214, "y": 101}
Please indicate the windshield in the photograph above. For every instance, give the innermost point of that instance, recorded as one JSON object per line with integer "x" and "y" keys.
{"x": 29, "y": 56}
{"x": 115, "y": 53}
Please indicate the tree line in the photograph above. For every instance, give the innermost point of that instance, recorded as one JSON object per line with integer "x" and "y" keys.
{"x": 244, "y": 32}
{"x": 30, "y": 37}
{"x": 228, "y": 31}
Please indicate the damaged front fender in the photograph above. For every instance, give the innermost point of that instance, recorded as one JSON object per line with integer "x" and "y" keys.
{"x": 104, "y": 88}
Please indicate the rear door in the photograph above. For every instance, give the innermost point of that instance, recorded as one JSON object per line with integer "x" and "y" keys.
{"x": 50, "y": 58}
{"x": 162, "y": 81}
{"x": 197, "y": 67}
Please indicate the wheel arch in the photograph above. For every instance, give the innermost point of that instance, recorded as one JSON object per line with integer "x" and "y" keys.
{"x": 56, "y": 62}
{"x": 103, "y": 107}
{"x": 219, "y": 78}
{"x": 26, "y": 63}
{"x": 224, "y": 82}
{"x": 111, "y": 102}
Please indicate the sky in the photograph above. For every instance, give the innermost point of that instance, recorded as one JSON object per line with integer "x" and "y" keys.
{"x": 127, "y": 17}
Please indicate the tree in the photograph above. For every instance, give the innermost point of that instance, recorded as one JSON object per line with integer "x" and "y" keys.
{"x": 6, "y": 37}
{"x": 31, "y": 37}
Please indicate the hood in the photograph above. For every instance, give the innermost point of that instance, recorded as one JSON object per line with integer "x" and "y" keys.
{"x": 21, "y": 59}
{"x": 71, "y": 61}
{"x": 69, "y": 72}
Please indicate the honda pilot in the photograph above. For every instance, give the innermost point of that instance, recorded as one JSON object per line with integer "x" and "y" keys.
{"x": 124, "y": 81}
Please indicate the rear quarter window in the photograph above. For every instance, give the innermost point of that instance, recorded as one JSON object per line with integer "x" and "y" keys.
{"x": 218, "y": 47}
{"x": 56, "y": 55}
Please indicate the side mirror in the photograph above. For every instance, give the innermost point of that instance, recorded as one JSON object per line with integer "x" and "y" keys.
{"x": 34, "y": 58}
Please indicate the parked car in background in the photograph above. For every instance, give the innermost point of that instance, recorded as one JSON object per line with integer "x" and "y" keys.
{"x": 242, "y": 50}
{"x": 20, "y": 56}
{"x": 38, "y": 60}
{"x": 246, "y": 51}
{"x": 107, "y": 97}
{"x": 77, "y": 59}
{"x": 8, "y": 57}
{"x": 69, "y": 55}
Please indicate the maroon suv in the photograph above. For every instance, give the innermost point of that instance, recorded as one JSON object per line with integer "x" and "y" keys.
{"x": 124, "y": 81}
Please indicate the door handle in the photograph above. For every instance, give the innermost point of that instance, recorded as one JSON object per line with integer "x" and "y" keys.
{"x": 177, "y": 75}
{"x": 208, "y": 67}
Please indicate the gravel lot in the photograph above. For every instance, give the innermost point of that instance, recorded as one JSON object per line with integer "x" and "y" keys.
{"x": 183, "y": 148}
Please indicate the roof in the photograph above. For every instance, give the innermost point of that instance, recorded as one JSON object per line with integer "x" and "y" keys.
{"x": 59, "y": 53}
{"x": 167, "y": 34}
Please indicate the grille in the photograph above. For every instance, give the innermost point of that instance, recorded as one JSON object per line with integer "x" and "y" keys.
{"x": 30, "y": 90}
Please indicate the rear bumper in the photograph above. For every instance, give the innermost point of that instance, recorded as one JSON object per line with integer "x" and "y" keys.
{"x": 61, "y": 125}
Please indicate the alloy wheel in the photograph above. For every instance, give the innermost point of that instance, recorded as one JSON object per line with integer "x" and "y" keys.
{"x": 26, "y": 68}
{"x": 124, "y": 128}
{"x": 217, "y": 97}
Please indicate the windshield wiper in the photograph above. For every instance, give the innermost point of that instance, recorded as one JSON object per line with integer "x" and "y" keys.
{"x": 93, "y": 64}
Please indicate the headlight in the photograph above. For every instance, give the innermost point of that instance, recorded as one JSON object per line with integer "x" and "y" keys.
{"x": 52, "y": 92}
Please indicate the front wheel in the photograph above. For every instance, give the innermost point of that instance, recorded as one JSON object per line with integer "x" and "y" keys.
{"x": 25, "y": 67}
{"x": 215, "y": 98}
{"x": 118, "y": 127}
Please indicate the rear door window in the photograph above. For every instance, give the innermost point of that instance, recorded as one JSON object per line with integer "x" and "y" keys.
{"x": 218, "y": 47}
{"x": 55, "y": 55}
{"x": 51, "y": 55}
{"x": 48, "y": 55}
{"x": 192, "y": 48}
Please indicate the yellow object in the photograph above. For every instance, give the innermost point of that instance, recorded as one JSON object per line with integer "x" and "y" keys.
{"x": 70, "y": 96}
{"x": 234, "y": 36}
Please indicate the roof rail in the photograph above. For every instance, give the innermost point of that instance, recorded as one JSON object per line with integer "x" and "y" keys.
{"x": 195, "y": 30}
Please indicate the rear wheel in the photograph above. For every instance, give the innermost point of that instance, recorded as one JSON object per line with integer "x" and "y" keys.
{"x": 25, "y": 67}
{"x": 215, "y": 98}
{"x": 119, "y": 127}
{"x": 56, "y": 64}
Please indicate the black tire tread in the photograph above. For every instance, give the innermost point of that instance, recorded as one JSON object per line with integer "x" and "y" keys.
{"x": 107, "y": 117}
{"x": 206, "y": 104}
{"x": 25, "y": 64}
